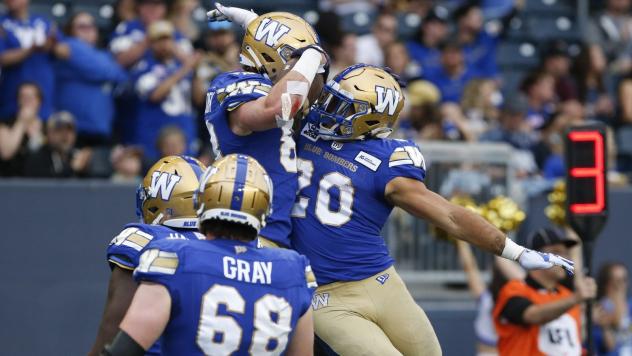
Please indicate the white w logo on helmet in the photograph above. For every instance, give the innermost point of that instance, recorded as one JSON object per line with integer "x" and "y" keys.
{"x": 271, "y": 30}
{"x": 387, "y": 98}
{"x": 164, "y": 183}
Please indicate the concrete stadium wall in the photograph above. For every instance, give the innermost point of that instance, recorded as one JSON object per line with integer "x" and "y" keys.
{"x": 54, "y": 273}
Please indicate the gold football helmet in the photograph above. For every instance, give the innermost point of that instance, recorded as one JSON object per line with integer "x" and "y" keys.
{"x": 235, "y": 188}
{"x": 166, "y": 194}
{"x": 270, "y": 40}
{"x": 360, "y": 102}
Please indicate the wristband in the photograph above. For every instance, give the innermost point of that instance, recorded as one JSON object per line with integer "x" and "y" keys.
{"x": 512, "y": 250}
{"x": 308, "y": 65}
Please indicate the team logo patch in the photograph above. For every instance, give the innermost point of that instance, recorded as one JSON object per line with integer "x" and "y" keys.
{"x": 270, "y": 32}
{"x": 336, "y": 146}
{"x": 240, "y": 249}
{"x": 320, "y": 300}
{"x": 310, "y": 131}
{"x": 163, "y": 183}
{"x": 369, "y": 161}
{"x": 382, "y": 278}
{"x": 387, "y": 100}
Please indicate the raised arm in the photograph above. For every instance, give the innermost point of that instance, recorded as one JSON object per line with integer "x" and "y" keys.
{"x": 413, "y": 196}
{"x": 262, "y": 114}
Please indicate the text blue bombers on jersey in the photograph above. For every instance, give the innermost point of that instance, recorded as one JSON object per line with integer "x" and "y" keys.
{"x": 340, "y": 207}
{"x": 228, "y": 297}
{"x": 125, "y": 248}
{"x": 274, "y": 149}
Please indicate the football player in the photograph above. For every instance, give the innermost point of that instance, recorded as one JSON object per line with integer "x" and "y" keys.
{"x": 246, "y": 113}
{"x": 222, "y": 295}
{"x": 351, "y": 176}
{"x": 165, "y": 207}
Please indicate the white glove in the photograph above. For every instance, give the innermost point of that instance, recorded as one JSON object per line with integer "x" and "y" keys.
{"x": 236, "y": 15}
{"x": 530, "y": 259}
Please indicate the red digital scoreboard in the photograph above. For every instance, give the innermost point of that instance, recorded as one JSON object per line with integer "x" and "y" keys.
{"x": 586, "y": 181}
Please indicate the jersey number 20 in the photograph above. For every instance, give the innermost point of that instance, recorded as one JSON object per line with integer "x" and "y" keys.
{"x": 221, "y": 334}
{"x": 323, "y": 212}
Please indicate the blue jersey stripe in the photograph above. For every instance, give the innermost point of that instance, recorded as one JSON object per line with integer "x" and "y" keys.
{"x": 240, "y": 181}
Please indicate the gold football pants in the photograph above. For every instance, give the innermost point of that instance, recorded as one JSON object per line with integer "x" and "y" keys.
{"x": 374, "y": 316}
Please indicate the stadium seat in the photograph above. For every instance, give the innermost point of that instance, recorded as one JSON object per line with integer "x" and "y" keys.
{"x": 544, "y": 28}
{"x": 522, "y": 54}
{"x": 408, "y": 25}
{"x": 511, "y": 79}
{"x": 359, "y": 23}
{"x": 101, "y": 13}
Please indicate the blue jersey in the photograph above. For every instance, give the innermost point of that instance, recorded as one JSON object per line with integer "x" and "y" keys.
{"x": 37, "y": 68}
{"x": 480, "y": 55}
{"x": 274, "y": 149}
{"x": 129, "y": 33}
{"x": 125, "y": 249}
{"x": 228, "y": 297}
{"x": 451, "y": 88}
{"x": 428, "y": 58}
{"x": 174, "y": 110}
{"x": 341, "y": 209}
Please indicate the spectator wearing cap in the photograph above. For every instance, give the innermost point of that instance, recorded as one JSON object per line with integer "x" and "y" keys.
{"x": 479, "y": 42}
{"x": 371, "y": 47}
{"x": 425, "y": 48}
{"x": 513, "y": 128}
{"x": 58, "y": 158}
{"x": 23, "y": 134}
{"x": 221, "y": 55}
{"x": 421, "y": 118}
{"x": 453, "y": 75}
{"x": 129, "y": 43}
{"x": 539, "y": 88}
{"x": 613, "y": 312}
{"x": 538, "y": 315}
{"x": 610, "y": 35}
{"x": 163, "y": 84}
{"x": 27, "y": 48}
{"x": 85, "y": 81}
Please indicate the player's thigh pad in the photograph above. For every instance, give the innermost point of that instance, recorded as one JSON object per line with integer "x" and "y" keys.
{"x": 343, "y": 315}
{"x": 399, "y": 316}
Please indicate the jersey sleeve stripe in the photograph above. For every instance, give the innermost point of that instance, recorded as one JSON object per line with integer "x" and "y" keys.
{"x": 121, "y": 264}
{"x": 400, "y": 162}
{"x": 140, "y": 239}
{"x": 397, "y": 155}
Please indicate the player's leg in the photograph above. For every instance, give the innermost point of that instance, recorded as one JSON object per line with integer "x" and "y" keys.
{"x": 401, "y": 319}
{"x": 342, "y": 321}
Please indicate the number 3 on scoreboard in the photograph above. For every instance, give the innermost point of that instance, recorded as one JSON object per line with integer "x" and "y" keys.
{"x": 595, "y": 172}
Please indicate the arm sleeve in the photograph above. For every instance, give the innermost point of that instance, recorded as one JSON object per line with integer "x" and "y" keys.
{"x": 94, "y": 65}
{"x": 125, "y": 249}
{"x": 405, "y": 160}
{"x": 514, "y": 310}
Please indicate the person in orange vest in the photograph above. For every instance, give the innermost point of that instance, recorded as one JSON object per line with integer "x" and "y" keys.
{"x": 538, "y": 315}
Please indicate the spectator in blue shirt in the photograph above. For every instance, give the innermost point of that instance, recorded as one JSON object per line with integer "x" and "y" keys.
{"x": 163, "y": 84}
{"x": 453, "y": 75}
{"x": 479, "y": 43}
{"x": 425, "y": 48}
{"x": 129, "y": 43}
{"x": 613, "y": 313}
{"x": 27, "y": 47}
{"x": 539, "y": 87}
{"x": 85, "y": 81}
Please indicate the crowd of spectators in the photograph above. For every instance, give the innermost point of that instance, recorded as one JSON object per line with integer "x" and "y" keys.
{"x": 135, "y": 89}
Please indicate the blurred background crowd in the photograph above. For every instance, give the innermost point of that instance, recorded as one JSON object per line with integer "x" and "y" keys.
{"x": 99, "y": 89}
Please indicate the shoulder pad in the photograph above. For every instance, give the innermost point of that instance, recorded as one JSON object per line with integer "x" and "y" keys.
{"x": 155, "y": 260}
{"x": 407, "y": 152}
{"x": 135, "y": 236}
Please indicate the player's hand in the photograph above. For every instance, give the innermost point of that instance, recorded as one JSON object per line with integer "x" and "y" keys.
{"x": 530, "y": 259}
{"x": 236, "y": 15}
{"x": 585, "y": 289}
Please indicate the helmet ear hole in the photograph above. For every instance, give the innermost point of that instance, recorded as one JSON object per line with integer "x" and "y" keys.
{"x": 267, "y": 57}
{"x": 372, "y": 122}
{"x": 153, "y": 209}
